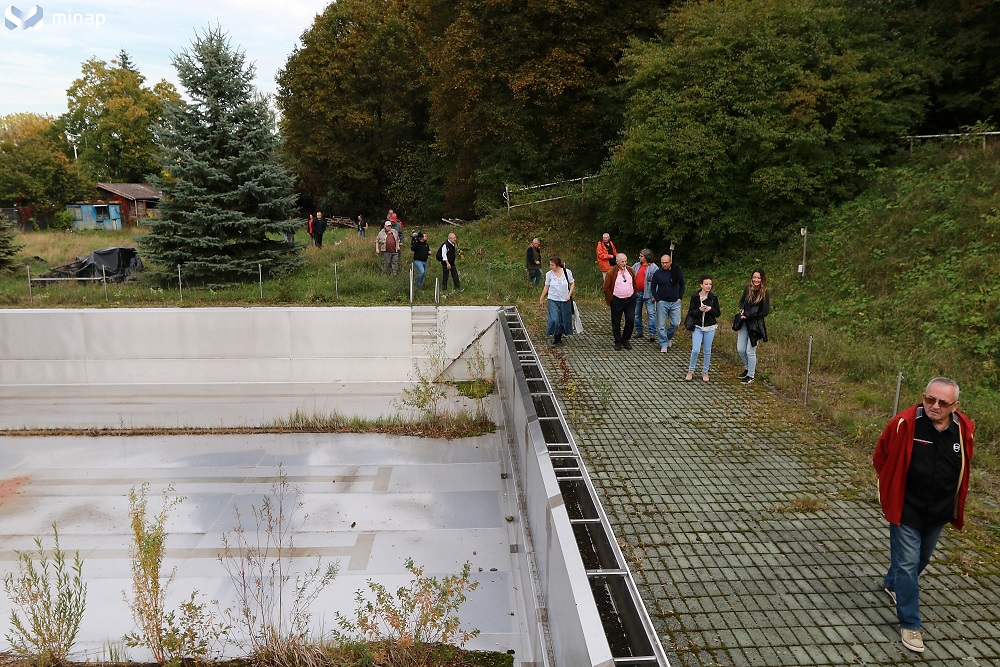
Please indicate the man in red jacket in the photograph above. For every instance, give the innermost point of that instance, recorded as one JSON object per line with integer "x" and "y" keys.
{"x": 923, "y": 459}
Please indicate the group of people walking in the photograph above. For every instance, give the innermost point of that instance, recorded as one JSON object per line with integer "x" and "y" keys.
{"x": 656, "y": 290}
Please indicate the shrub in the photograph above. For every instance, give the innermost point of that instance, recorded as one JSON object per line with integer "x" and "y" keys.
{"x": 413, "y": 623}
{"x": 49, "y": 618}
{"x": 146, "y": 553}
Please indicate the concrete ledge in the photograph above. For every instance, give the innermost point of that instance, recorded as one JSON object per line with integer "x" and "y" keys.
{"x": 224, "y": 345}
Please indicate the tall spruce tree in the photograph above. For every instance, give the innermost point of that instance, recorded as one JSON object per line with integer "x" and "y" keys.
{"x": 227, "y": 199}
{"x": 9, "y": 246}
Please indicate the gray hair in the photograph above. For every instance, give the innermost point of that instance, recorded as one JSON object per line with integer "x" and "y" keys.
{"x": 944, "y": 380}
{"x": 621, "y": 255}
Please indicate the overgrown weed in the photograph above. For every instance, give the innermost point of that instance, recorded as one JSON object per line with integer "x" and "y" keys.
{"x": 416, "y": 625}
{"x": 149, "y": 589}
{"x": 274, "y": 604}
{"x": 49, "y": 598}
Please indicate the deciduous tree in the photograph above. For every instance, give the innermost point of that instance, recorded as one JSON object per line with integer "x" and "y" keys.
{"x": 352, "y": 104}
{"x": 34, "y": 172}
{"x": 748, "y": 115}
{"x": 522, "y": 90}
{"x": 111, "y": 117}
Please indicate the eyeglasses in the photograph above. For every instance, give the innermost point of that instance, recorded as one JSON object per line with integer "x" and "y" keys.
{"x": 940, "y": 402}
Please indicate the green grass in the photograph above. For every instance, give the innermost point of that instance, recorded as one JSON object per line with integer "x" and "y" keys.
{"x": 345, "y": 272}
{"x": 902, "y": 279}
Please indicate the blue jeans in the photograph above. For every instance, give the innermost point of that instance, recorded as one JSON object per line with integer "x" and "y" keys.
{"x": 701, "y": 338}
{"x": 650, "y": 307}
{"x": 419, "y": 270}
{"x": 667, "y": 311}
{"x": 909, "y": 552}
{"x": 747, "y": 352}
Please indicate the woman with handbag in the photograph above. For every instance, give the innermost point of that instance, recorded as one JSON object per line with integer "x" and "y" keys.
{"x": 703, "y": 314}
{"x": 559, "y": 286}
{"x": 755, "y": 304}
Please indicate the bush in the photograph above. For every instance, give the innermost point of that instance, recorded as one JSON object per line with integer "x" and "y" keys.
{"x": 418, "y": 620}
{"x": 46, "y": 627}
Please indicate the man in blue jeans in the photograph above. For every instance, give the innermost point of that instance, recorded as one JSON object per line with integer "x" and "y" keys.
{"x": 923, "y": 461}
{"x": 644, "y": 270}
{"x": 667, "y": 286}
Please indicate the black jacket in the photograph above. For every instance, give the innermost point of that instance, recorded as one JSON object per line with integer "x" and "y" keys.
{"x": 421, "y": 251}
{"x": 755, "y": 313}
{"x": 705, "y": 319}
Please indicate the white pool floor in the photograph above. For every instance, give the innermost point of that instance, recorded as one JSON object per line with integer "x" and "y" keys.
{"x": 369, "y": 502}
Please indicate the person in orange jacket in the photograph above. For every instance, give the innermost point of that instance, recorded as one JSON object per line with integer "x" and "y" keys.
{"x": 923, "y": 460}
{"x": 606, "y": 253}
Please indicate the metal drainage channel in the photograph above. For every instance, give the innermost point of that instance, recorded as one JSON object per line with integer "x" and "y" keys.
{"x": 626, "y": 623}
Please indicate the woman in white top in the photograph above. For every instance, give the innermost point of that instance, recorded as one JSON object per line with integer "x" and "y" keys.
{"x": 705, "y": 310}
{"x": 558, "y": 288}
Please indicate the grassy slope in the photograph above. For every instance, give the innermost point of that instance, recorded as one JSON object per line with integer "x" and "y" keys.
{"x": 902, "y": 279}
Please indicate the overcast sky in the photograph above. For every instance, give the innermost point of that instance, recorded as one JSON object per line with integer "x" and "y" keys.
{"x": 38, "y": 63}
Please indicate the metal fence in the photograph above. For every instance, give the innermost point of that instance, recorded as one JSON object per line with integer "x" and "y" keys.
{"x": 567, "y": 188}
{"x": 961, "y": 136}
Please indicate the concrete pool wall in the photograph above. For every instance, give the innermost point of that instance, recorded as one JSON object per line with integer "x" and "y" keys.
{"x": 219, "y": 366}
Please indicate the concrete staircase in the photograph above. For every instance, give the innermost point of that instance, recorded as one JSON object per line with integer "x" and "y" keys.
{"x": 424, "y": 321}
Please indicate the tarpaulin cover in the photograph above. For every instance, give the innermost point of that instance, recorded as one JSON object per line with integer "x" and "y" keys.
{"x": 118, "y": 263}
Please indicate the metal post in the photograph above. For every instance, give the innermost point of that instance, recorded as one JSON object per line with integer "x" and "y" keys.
{"x": 805, "y": 235}
{"x": 506, "y": 196}
{"x": 104, "y": 275}
{"x": 180, "y": 286}
{"x": 437, "y": 290}
{"x": 336, "y": 281}
{"x": 809, "y": 358}
{"x": 411, "y": 284}
{"x": 260, "y": 277}
{"x": 899, "y": 386}
{"x": 31, "y": 297}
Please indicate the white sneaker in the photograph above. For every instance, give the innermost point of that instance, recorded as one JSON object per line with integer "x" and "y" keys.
{"x": 664, "y": 348}
{"x": 892, "y": 594}
{"x": 913, "y": 640}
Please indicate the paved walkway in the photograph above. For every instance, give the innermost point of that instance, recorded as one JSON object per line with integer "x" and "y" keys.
{"x": 750, "y": 540}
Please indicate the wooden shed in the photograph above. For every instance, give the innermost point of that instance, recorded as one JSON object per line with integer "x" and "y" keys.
{"x": 138, "y": 200}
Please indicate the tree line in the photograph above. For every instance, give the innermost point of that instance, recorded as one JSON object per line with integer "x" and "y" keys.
{"x": 717, "y": 124}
